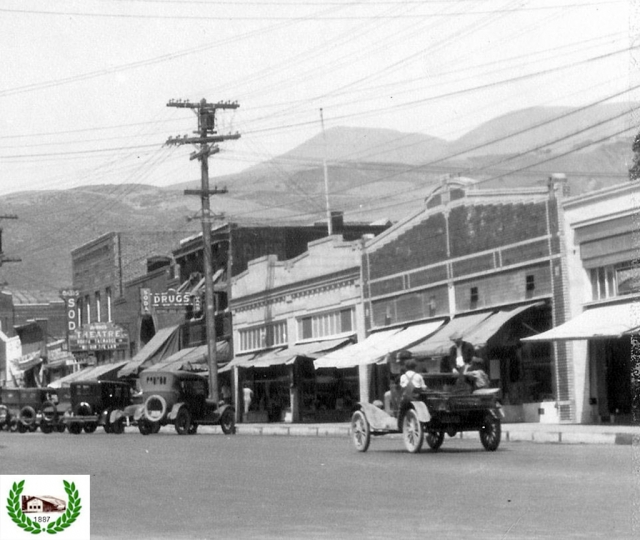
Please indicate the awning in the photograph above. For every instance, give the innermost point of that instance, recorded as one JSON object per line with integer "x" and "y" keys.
{"x": 162, "y": 345}
{"x": 284, "y": 356}
{"x": 440, "y": 343}
{"x": 348, "y": 356}
{"x": 479, "y": 336}
{"x": 192, "y": 358}
{"x": 103, "y": 372}
{"x": 610, "y": 321}
{"x": 377, "y": 346}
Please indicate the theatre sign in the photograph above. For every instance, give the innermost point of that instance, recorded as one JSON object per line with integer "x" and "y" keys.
{"x": 102, "y": 336}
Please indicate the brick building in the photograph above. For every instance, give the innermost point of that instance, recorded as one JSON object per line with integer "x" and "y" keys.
{"x": 602, "y": 243}
{"x": 491, "y": 264}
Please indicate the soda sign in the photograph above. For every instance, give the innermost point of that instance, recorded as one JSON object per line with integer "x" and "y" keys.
{"x": 70, "y": 297}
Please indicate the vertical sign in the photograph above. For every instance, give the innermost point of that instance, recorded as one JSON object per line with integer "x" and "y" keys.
{"x": 70, "y": 297}
{"x": 145, "y": 301}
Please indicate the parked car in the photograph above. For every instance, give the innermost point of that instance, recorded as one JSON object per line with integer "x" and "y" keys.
{"x": 26, "y": 409}
{"x": 180, "y": 398}
{"x": 93, "y": 404}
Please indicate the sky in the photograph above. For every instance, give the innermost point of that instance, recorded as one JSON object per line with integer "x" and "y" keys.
{"x": 85, "y": 84}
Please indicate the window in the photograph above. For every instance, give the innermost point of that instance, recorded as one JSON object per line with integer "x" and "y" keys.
{"x": 262, "y": 337}
{"x": 333, "y": 323}
{"x": 530, "y": 285}
{"x": 473, "y": 297}
{"x": 98, "y": 312}
{"x": 109, "y": 296}
{"x": 87, "y": 308}
{"x": 614, "y": 280}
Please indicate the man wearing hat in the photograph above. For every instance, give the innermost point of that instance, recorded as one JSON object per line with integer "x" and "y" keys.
{"x": 460, "y": 354}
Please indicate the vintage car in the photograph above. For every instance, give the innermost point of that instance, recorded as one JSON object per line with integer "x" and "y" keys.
{"x": 428, "y": 414}
{"x": 93, "y": 404}
{"x": 26, "y": 409}
{"x": 179, "y": 398}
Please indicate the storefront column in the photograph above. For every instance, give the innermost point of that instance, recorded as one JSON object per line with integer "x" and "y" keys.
{"x": 364, "y": 376}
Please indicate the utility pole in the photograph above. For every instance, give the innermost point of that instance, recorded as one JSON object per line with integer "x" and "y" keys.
{"x": 4, "y": 259}
{"x": 326, "y": 177}
{"x": 206, "y": 139}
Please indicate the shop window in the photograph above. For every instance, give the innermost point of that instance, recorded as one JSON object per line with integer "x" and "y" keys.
{"x": 98, "y": 307}
{"x": 87, "y": 308}
{"x": 262, "y": 337}
{"x": 109, "y": 299}
{"x": 333, "y": 323}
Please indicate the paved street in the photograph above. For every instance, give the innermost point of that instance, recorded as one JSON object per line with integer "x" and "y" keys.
{"x": 240, "y": 487}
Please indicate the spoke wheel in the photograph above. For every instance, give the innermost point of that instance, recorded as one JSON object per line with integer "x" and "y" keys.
{"x": 412, "y": 432}
{"x": 193, "y": 429}
{"x": 228, "y": 422}
{"x": 490, "y": 433}
{"x": 183, "y": 421}
{"x": 360, "y": 431}
{"x": 434, "y": 438}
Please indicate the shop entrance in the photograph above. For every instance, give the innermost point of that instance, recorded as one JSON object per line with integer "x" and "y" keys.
{"x": 610, "y": 361}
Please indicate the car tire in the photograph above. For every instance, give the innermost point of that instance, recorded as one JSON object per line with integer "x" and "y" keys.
{"x": 412, "y": 432}
{"x": 60, "y": 427}
{"x": 27, "y": 415}
{"x": 49, "y": 412}
{"x": 90, "y": 427}
{"x": 46, "y": 428}
{"x": 117, "y": 427}
{"x": 228, "y": 422}
{"x": 155, "y": 408}
{"x": 183, "y": 421}
{"x": 434, "y": 437}
{"x": 490, "y": 433}
{"x": 193, "y": 429}
{"x": 360, "y": 431}
{"x": 145, "y": 427}
{"x": 75, "y": 428}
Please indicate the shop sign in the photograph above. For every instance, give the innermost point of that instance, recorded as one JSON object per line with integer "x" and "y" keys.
{"x": 145, "y": 301}
{"x": 70, "y": 297}
{"x": 172, "y": 299}
{"x": 102, "y": 336}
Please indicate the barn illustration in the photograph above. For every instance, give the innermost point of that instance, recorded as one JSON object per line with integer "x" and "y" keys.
{"x": 42, "y": 503}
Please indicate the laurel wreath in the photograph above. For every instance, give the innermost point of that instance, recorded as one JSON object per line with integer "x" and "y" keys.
{"x": 59, "y": 525}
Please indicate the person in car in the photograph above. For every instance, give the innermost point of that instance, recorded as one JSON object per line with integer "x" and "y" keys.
{"x": 411, "y": 380}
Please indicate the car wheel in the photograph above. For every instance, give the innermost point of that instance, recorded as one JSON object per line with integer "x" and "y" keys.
{"x": 360, "y": 431}
{"x": 155, "y": 427}
{"x": 90, "y": 427}
{"x": 490, "y": 433}
{"x": 228, "y": 422}
{"x": 60, "y": 428}
{"x": 412, "y": 432}
{"x": 193, "y": 429}
{"x": 49, "y": 412}
{"x": 145, "y": 427}
{"x": 183, "y": 421}
{"x": 46, "y": 428}
{"x": 22, "y": 428}
{"x": 117, "y": 427}
{"x": 434, "y": 437}
{"x": 13, "y": 425}
{"x": 28, "y": 415}
{"x": 75, "y": 428}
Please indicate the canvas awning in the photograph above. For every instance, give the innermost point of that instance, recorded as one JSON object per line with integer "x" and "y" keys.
{"x": 284, "y": 356}
{"x": 440, "y": 342}
{"x": 377, "y": 346}
{"x": 610, "y": 321}
{"x": 162, "y": 345}
{"x": 479, "y": 335}
{"x": 94, "y": 373}
{"x": 192, "y": 358}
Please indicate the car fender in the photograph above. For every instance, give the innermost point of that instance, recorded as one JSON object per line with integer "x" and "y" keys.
{"x": 174, "y": 411}
{"x": 378, "y": 418}
{"x": 138, "y": 412}
{"x": 116, "y": 415}
{"x": 103, "y": 418}
{"x": 422, "y": 412}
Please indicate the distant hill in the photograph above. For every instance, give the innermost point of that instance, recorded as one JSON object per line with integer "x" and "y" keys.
{"x": 373, "y": 174}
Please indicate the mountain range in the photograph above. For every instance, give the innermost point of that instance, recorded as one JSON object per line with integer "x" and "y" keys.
{"x": 372, "y": 174}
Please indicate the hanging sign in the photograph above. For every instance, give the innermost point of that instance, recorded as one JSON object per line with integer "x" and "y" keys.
{"x": 101, "y": 336}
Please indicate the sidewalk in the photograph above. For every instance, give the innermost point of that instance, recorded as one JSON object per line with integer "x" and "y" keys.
{"x": 524, "y": 432}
